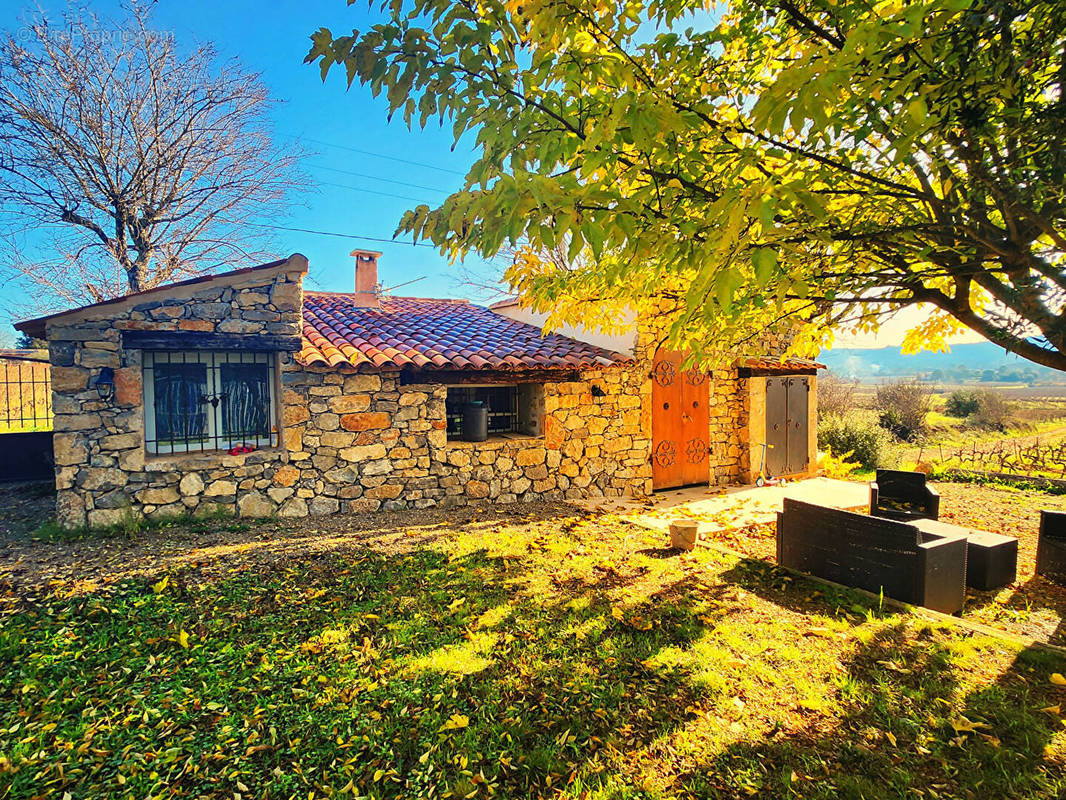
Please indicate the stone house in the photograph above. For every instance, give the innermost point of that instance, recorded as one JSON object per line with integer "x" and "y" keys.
{"x": 243, "y": 393}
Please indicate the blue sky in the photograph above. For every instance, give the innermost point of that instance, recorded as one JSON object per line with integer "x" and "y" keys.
{"x": 272, "y": 39}
{"x": 365, "y": 171}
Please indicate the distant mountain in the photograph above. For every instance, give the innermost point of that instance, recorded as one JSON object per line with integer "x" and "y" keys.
{"x": 981, "y": 361}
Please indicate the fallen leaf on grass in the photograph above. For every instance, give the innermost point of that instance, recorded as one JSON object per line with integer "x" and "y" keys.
{"x": 455, "y": 722}
{"x": 963, "y": 725}
{"x": 1057, "y": 679}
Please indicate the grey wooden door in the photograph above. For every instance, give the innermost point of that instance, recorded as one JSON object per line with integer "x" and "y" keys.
{"x": 797, "y": 424}
{"x": 776, "y": 426}
{"x": 787, "y": 426}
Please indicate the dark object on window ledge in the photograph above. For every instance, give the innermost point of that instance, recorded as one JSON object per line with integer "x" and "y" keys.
{"x": 1051, "y": 546}
{"x": 875, "y": 554}
{"x": 897, "y": 494}
{"x": 475, "y": 422}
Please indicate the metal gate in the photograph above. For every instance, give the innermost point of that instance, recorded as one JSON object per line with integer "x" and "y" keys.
{"x": 25, "y": 416}
{"x": 787, "y": 403}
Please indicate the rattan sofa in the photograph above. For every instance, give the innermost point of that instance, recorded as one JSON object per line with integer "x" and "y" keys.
{"x": 1051, "y": 546}
{"x": 897, "y": 494}
{"x": 874, "y": 554}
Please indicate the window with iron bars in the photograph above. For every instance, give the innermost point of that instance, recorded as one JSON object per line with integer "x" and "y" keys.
{"x": 195, "y": 401}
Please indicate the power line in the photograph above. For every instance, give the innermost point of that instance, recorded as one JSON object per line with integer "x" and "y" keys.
{"x": 372, "y": 191}
{"x": 376, "y": 155}
{"x": 338, "y": 235}
{"x": 376, "y": 178}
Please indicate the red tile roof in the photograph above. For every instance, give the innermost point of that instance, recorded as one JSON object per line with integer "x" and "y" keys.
{"x": 777, "y": 365}
{"x": 432, "y": 334}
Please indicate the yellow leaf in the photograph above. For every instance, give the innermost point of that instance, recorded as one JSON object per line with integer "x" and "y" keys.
{"x": 183, "y": 639}
{"x": 455, "y": 722}
{"x": 963, "y": 725}
{"x": 1057, "y": 679}
{"x": 890, "y": 738}
{"x": 158, "y": 588}
{"x": 617, "y": 613}
{"x": 1052, "y": 710}
{"x": 378, "y": 775}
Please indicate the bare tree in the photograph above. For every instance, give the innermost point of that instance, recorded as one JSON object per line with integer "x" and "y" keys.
{"x": 147, "y": 158}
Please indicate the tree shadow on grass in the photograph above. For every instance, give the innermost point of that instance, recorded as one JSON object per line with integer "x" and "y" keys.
{"x": 920, "y": 710}
{"x": 391, "y": 674}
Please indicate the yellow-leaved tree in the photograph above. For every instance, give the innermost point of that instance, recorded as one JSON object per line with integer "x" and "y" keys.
{"x": 829, "y": 161}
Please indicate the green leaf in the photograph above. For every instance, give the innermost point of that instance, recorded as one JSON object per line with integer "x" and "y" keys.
{"x": 764, "y": 259}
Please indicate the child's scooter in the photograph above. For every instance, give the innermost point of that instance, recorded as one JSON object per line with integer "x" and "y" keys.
{"x": 763, "y": 478}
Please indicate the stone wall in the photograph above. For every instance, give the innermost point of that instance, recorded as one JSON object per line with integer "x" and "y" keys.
{"x": 102, "y": 471}
{"x": 729, "y": 434}
{"x": 347, "y": 441}
{"x": 360, "y": 442}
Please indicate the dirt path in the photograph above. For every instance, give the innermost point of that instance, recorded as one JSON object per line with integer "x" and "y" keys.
{"x": 23, "y": 508}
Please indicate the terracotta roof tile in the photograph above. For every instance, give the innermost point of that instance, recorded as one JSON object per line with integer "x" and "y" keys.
{"x": 778, "y": 365}
{"x": 432, "y": 334}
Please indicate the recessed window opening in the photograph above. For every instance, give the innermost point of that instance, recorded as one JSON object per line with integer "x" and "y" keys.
{"x": 501, "y": 402}
{"x": 196, "y": 401}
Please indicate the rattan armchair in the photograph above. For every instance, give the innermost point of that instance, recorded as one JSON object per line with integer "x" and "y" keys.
{"x": 897, "y": 494}
{"x": 1051, "y": 546}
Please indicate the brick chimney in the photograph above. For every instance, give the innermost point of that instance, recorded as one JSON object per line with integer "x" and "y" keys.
{"x": 366, "y": 278}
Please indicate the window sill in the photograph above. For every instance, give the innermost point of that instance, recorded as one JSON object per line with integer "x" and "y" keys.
{"x": 497, "y": 441}
{"x": 208, "y": 458}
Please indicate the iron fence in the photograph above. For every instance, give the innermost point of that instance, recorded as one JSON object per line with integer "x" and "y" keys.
{"x": 25, "y": 391}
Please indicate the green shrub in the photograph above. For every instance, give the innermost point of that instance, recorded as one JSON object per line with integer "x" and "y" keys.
{"x": 962, "y": 403}
{"x": 903, "y": 406}
{"x": 992, "y": 412}
{"x": 867, "y": 441}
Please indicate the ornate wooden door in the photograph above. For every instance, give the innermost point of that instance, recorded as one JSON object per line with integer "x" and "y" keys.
{"x": 679, "y": 423}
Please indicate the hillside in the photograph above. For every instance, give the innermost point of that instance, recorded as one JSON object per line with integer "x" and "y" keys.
{"x": 981, "y": 361}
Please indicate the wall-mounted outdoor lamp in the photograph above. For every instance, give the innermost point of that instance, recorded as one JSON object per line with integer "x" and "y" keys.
{"x": 598, "y": 392}
{"x": 105, "y": 383}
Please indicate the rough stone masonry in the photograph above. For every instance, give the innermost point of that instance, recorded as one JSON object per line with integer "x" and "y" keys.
{"x": 348, "y": 441}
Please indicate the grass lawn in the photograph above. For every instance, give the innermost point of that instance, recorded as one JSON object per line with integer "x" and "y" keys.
{"x": 515, "y": 652}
